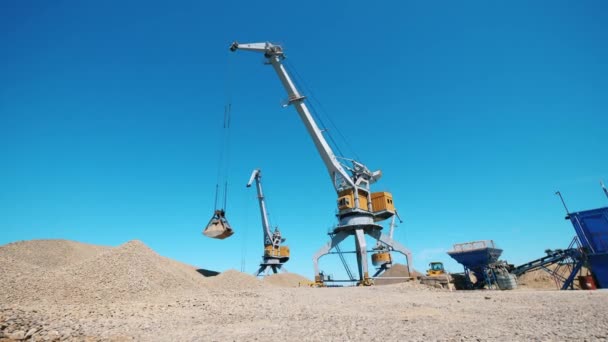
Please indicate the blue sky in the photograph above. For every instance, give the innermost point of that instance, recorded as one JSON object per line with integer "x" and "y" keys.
{"x": 111, "y": 121}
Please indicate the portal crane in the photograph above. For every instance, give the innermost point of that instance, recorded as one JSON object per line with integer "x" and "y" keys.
{"x": 275, "y": 254}
{"x": 359, "y": 208}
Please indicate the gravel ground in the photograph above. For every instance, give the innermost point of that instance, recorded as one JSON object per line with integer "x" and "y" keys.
{"x": 165, "y": 300}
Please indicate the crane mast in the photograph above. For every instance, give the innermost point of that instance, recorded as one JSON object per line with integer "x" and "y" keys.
{"x": 359, "y": 208}
{"x": 256, "y": 176}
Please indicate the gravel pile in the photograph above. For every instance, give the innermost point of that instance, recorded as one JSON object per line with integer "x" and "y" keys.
{"x": 234, "y": 280}
{"x": 542, "y": 280}
{"x": 19, "y": 325}
{"x": 129, "y": 271}
{"x": 132, "y": 293}
{"x": 14, "y": 273}
{"x": 396, "y": 271}
{"x": 23, "y": 262}
{"x": 50, "y": 254}
{"x": 286, "y": 279}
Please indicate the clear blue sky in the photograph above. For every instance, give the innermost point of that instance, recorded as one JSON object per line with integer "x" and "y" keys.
{"x": 477, "y": 112}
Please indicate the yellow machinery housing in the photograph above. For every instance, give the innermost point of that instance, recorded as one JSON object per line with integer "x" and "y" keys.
{"x": 383, "y": 205}
{"x": 346, "y": 199}
{"x": 381, "y": 201}
{"x": 381, "y": 258}
{"x": 282, "y": 253}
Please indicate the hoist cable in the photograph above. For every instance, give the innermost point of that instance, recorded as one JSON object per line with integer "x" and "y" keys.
{"x": 300, "y": 84}
{"x": 224, "y": 153}
{"x": 317, "y": 114}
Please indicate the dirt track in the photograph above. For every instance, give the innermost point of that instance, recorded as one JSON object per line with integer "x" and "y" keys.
{"x": 130, "y": 292}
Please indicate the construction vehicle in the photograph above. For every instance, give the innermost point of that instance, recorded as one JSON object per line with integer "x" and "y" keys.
{"x": 435, "y": 269}
{"x": 275, "y": 253}
{"x": 359, "y": 209}
{"x": 436, "y": 276}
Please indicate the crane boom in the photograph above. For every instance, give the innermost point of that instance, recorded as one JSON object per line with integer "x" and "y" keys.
{"x": 257, "y": 176}
{"x": 340, "y": 177}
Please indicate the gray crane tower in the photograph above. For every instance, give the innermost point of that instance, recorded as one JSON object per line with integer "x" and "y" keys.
{"x": 359, "y": 208}
{"x": 275, "y": 254}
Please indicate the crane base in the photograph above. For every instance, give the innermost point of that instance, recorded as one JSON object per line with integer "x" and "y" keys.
{"x": 352, "y": 227}
{"x": 359, "y": 232}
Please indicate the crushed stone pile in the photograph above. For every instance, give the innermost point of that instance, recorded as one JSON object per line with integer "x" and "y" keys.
{"x": 50, "y": 254}
{"x": 129, "y": 271}
{"x": 415, "y": 285}
{"x": 14, "y": 273}
{"x": 234, "y": 280}
{"x": 397, "y": 270}
{"x": 286, "y": 279}
{"x": 542, "y": 280}
{"x": 538, "y": 279}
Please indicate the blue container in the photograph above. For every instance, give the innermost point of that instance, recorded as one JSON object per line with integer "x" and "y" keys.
{"x": 476, "y": 256}
{"x": 591, "y": 227}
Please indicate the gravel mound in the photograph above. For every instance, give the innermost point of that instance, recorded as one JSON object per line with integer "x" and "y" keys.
{"x": 397, "y": 270}
{"x": 13, "y": 274}
{"x": 234, "y": 280}
{"x": 538, "y": 279}
{"x": 286, "y": 279}
{"x": 49, "y": 254}
{"x": 129, "y": 271}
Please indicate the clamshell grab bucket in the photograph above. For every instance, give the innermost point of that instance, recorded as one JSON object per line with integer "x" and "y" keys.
{"x": 218, "y": 227}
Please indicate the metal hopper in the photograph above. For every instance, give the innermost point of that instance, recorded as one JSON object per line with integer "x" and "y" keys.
{"x": 591, "y": 227}
{"x": 476, "y": 256}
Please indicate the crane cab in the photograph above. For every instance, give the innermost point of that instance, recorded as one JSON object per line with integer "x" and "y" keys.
{"x": 383, "y": 205}
{"x": 346, "y": 199}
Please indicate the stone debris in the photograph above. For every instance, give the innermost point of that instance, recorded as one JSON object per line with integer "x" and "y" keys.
{"x": 286, "y": 280}
{"x": 130, "y": 293}
{"x": 234, "y": 280}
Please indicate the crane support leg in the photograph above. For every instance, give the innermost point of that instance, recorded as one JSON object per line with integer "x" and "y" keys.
{"x": 335, "y": 240}
{"x": 361, "y": 247}
{"x": 379, "y": 271}
{"x": 260, "y": 271}
{"x": 394, "y": 245}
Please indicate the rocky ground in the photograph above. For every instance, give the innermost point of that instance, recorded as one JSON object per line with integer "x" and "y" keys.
{"x": 131, "y": 293}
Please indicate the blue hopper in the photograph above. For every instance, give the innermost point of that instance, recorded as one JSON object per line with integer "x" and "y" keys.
{"x": 476, "y": 256}
{"x": 591, "y": 227}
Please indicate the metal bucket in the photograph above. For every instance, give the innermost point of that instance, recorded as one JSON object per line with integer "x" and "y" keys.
{"x": 218, "y": 227}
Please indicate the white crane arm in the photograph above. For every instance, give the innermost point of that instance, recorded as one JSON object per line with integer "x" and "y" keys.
{"x": 274, "y": 54}
{"x": 254, "y": 174}
{"x": 257, "y": 176}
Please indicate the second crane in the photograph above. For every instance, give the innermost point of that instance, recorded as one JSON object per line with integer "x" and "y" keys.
{"x": 275, "y": 253}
